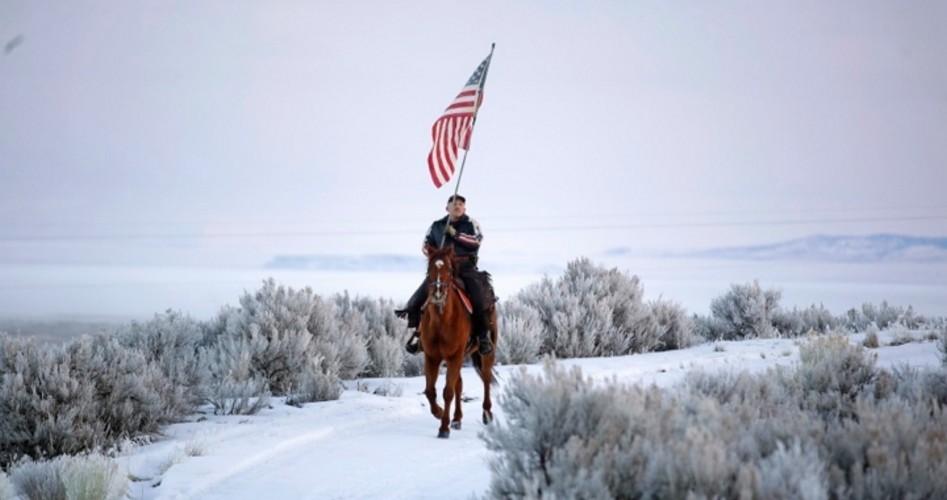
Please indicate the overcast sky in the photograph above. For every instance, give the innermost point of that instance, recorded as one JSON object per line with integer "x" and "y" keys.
{"x": 225, "y": 133}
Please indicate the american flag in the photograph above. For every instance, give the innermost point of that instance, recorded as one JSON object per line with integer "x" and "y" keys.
{"x": 452, "y": 130}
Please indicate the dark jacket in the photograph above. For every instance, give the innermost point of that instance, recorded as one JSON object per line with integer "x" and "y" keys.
{"x": 467, "y": 240}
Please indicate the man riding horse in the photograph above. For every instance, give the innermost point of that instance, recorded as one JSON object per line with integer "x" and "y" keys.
{"x": 463, "y": 232}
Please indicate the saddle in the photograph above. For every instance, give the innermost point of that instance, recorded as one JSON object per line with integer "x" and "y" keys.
{"x": 489, "y": 297}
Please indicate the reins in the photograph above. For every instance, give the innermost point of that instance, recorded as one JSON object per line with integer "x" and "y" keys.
{"x": 441, "y": 289}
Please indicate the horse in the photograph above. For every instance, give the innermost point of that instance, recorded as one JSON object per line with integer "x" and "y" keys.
{"x": 445, "y": 338}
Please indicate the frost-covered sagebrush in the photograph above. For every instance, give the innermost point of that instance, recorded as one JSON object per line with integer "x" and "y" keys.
{"x": 132, "y": 394}
{"x": 521, "y": 332}
{"x": 726, "y": 435}
{"x": 942, "y": 345}
{"x": 282, "y": 331}
{"x": 799, "y": 322}
{"x": 92, "y": 392}
{"x": 591, "y": 311}
{"x": 882, "y": 316}
{"x": 233, "y": 386}
{"x": 85, "y": 476}
{"x": 172, "y": 341}
{"x": 832, "y": 373}
{"x": 6, "y": 488}
{"x": 671, "y": 325}
{"x": 745, "y": 312}
{"x": 373, "y": 323}
{"x": 44, "y": 409}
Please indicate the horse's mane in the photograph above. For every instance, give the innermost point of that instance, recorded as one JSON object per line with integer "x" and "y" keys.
{"x": 437, "y": 253}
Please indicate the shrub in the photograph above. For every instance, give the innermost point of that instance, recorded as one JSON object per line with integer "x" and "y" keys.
{"x": 793, "y": 472}
{"x": 797, "y": 323}
{"x": 83, "y": 477}
{"x": 916, "y": 385}
{"x": 942, "y": 346}
{"x": 374, "y": 323}
{"x": 882, "y": 316}
{"x": 131, "y": 394}
{"x": 44, "y": 410}
{"x": 709, "y": 328}
{"x": 521, "y": 333}
{"x": 671, "y": 325}
{"x": 388, "y": 357}
{"x": 591, "y": 311}
{"x": 234, "y": 388}
{"x": 724, "y": 435}
{"x": 568, "y": 438}
{"x": 746, "y": 311}
{"x": 93, "y": 477}
{"x": 871, "y": 338}
{"x": 172, "y": 341}
{"x": 91, "y": 392}
{"x": 39, "y": 480}
{"x": 889, "y": 448}
{"x": 6, "y": 488}
{"x": 832, "y": 372}
{"x": 282, "y": 330}
{"x": 315, "y": 384}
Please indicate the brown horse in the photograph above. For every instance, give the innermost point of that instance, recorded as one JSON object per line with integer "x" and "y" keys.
{"x": 445, "y": 335}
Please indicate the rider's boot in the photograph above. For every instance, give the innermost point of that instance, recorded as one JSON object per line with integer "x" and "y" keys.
{"x": 483, "y": 335}
{"x": 413, "y": 346}
{"x": 414, "y": 343}
{"x": 412, "y": 312}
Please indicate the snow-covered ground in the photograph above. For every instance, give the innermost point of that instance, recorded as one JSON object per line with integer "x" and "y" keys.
{"x": 385, "y": 446}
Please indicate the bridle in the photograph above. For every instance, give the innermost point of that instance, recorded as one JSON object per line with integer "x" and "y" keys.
{"x": 439, "y": 289}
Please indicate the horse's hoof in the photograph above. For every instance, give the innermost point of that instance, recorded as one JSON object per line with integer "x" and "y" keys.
{"x": 487, "y": 418}
{"x": 444, "y": 434}
{"x": 455, "y": 425}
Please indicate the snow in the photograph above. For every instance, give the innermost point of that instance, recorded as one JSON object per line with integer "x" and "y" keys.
{"x": 366, "y": 445}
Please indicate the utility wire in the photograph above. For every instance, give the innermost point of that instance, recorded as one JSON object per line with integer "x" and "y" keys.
{"x": 499, "y": 229}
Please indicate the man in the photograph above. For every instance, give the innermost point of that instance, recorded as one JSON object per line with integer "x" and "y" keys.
{"x": 464, "y": 233}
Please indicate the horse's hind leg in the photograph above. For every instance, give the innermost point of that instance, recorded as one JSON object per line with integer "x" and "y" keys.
{"x": 458, "y": 412}
{"x": 486, "y": 374}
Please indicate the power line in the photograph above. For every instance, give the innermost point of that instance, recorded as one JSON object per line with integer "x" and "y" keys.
{"x": 500, "y": 229}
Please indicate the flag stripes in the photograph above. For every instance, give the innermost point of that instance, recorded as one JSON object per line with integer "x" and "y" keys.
{"x": 453, "y": 129}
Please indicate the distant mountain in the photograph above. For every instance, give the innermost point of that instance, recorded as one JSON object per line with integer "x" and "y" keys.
{"x": 401, "y": 263}
{"x": 874, "y": 248}
{"x": 370, "y": 262}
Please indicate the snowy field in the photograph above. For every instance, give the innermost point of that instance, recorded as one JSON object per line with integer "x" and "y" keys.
{"x": 384, "y": 446}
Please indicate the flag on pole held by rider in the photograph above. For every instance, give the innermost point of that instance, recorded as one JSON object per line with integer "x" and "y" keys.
{"x": 451, "y": 132}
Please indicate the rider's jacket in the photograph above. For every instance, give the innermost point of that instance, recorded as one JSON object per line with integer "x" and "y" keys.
{"x": 467, "y": 240}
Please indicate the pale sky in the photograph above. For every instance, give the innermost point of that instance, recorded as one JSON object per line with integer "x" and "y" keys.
{"x": 226, "y": 133}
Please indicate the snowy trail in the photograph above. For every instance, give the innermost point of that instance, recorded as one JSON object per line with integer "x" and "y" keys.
{"x": 362, "y": 445}
{"x": 372, "y": 446}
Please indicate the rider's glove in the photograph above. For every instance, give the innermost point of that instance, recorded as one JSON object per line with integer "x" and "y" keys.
{"x": 451, "y": 232}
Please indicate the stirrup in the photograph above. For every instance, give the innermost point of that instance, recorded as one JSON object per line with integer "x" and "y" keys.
{"x": 486, "y": 346}
{"x": 414, "y": 343}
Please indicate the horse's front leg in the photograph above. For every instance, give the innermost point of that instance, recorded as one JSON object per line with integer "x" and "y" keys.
{"x": 453, "y": 373}
{"x": 431, "y": 368}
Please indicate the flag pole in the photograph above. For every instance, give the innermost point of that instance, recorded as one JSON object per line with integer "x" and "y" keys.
{"x": 473, "y": 123}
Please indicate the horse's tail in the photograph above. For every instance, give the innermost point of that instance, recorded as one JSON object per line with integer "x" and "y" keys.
{"x": 477, "y": 361}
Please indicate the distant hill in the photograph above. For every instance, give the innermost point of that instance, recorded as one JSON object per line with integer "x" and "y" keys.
{"x": 874, "y": 248}
{"x": 370, "y": 262}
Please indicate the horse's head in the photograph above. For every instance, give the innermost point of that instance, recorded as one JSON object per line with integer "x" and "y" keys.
{"x": 440, "y": 274}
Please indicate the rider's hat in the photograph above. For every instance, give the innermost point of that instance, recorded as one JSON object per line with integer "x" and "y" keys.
{"x": 459, "y": 197}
